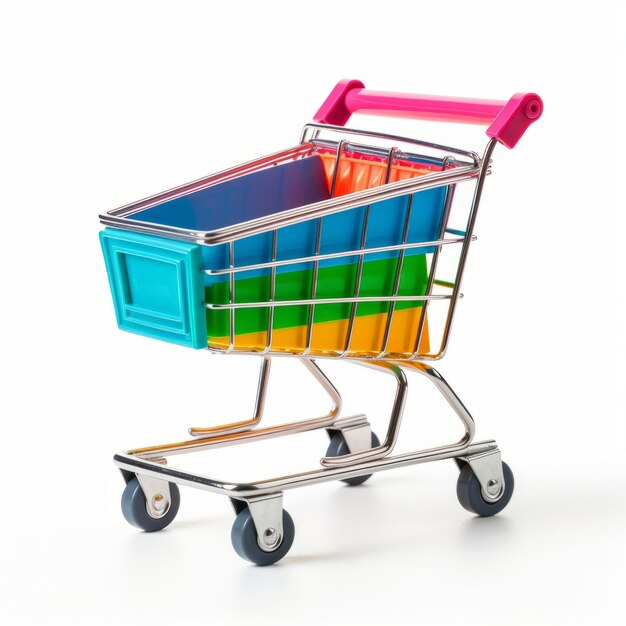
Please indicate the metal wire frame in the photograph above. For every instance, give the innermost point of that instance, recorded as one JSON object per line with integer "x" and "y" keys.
{"x": 151, "y": 461}
{"x": 464, "y": 170}
{"x": 462, "y": 238}
{"x": 452, "y": 172}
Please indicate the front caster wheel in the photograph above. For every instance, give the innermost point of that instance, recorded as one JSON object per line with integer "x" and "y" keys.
{"x": 339, "y": 447}
{"x": 135, "y": 507}
{"x": 469, "y": 492}
{"x": 244, "y": 538}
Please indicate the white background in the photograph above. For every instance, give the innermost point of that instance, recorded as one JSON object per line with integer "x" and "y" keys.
{"x": 105, "y": 103}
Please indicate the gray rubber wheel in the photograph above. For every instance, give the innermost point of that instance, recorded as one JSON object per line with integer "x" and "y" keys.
{"x": 134, "y": 507}
{"x": 339, "y": 447}
{"x": 470, "y": 496}
{"x": 244, "y": 539}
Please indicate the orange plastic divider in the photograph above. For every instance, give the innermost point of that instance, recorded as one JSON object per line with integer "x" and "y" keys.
{"x": 330, "y": 337}
{"x": 359, "y": 172}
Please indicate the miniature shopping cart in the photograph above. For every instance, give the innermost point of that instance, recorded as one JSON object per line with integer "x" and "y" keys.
{"x": 351, "y": 245}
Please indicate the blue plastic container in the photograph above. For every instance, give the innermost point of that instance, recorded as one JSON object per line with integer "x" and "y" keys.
{"x": 284, "y": 187}
{"x": 158, "y": 285}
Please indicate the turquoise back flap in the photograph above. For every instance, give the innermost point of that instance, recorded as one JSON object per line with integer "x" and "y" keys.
{"x": 157, "y": 286}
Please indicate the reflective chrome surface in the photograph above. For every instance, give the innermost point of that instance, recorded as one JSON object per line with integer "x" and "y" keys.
{"x": 358, "y": 463}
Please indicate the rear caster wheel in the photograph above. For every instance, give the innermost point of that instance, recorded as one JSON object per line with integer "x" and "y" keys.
{"x": 135, "y": 507}
{"x": 244, "y": 539}
{"x": 339, "y": 447}
{"x": 469, "y": 492}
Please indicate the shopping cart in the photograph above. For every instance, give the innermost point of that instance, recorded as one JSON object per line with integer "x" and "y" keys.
{"x": 350, "y": 245}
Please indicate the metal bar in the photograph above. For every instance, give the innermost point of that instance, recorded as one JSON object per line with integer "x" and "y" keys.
{"x": 394, "y": 422}
{"x": 259, "y": 406}
{"x": 422, "y": 160}
{"x": 316, "y": 265}
{"x": 335, "y": 255}
{"x": 270, "y": 316}
{"x": 253, "y": 305}
{"x": 396, "y": 281}
{"x": 303, "y": 479}
{"x": 448, "y": 393}
{"x": 471, "y": 222}
{"x": 359, "y": 272}
{"x": 416, "y": 142}
{"x": 357, "y": 282}
{"x": 374, "y": 150}
{"x": 331, "y": 354}
{"x": 231, "y": 298}
{"x": 298, "y": 214}
{"x": 336, "y": 169}
{"x": 433, "y": 265}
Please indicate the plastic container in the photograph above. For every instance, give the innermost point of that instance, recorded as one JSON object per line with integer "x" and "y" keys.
{"x": 302, "y": 181}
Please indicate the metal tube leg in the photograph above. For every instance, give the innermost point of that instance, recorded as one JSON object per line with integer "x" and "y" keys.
{"x": 394, "y": 422}
{"x": 324, "y": 381}
{"x": 396, "y": 369}
{"x": 259, "y": 405}
{"x": 448, "y": 393}
{"x": 217, "y": 437}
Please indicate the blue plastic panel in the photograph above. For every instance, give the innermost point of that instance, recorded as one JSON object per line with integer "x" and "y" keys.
{"x": 340, "y": 232}
{"x": 244, "y": 198}
{"x": 286, "y": 186}
{"x": 157, "y": 286}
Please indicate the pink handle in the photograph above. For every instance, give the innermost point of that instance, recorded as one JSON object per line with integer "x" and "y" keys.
{"x": 507, "y": 121}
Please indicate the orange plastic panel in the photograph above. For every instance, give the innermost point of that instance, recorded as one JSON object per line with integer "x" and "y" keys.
{"x": 329, "y": 337}
{"x": 359, "y": 172}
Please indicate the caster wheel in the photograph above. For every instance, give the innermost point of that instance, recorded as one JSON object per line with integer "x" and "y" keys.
{"x": 470, "y": 496}
{"x": 135, "y": 511}
{"x": 244, "y": 539}
{"x": 339, "y": 447}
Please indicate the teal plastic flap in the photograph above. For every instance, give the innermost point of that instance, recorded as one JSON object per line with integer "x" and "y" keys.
{"x": 157, "y": 286}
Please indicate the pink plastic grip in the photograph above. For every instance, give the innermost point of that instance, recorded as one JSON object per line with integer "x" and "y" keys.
{"x": 507, "y": 121}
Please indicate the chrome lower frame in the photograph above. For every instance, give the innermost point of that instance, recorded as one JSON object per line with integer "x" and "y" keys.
{"x": 264, "y": 497}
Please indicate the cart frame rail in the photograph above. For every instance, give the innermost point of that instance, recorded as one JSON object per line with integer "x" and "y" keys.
{"x": 150, "y": 464}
